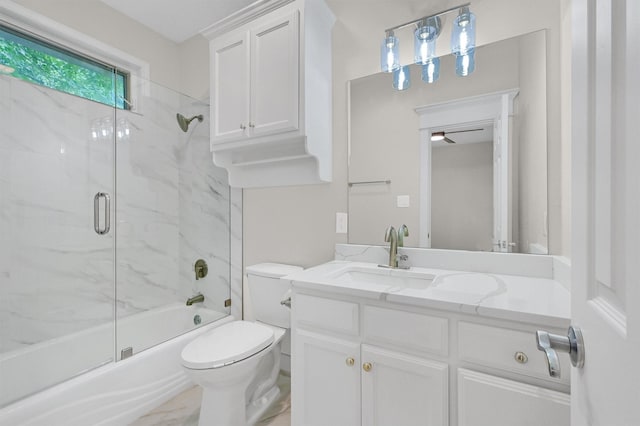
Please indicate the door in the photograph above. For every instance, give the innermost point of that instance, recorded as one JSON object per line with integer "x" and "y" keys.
{"x": 275, "y": 75}
{"x": 230, "y": 87}
{"x": 606, "y": 210}
{"x": 325, "y": 383}
{"x": 399, "y": 389}
{"x": 57, "y": 279}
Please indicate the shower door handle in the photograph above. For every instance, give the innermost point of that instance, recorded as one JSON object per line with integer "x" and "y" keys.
{"x": 96, "y": 213}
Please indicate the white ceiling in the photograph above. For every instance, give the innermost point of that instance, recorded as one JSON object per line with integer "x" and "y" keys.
{"x": 177, "y": 20}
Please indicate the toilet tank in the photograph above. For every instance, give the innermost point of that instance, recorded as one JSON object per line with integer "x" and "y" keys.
{"x": 267, "y": 290}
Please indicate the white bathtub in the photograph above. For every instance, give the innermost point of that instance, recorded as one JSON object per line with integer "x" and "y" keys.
{"x": 114, "y": 394}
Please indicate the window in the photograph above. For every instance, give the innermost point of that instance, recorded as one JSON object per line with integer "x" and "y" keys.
{"x": 32, "y": 59}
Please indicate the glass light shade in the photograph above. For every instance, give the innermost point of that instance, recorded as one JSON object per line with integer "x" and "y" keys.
{"x": 431, "y": 70}
{"x": 424, "y": 43}
{"x": 466, "y": 64}
{"x": 402, "y": 78}
{"x": 463, "y": 33}
{"x": 390, "y": 53}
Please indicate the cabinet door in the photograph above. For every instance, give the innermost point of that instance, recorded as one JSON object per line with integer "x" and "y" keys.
{"x": 325, "y": 381}
{"x": 485, "y": 400}
{"x": 403, "y": 390}
{"x": 275, "y": 75}
{"x": 230, "y": 87}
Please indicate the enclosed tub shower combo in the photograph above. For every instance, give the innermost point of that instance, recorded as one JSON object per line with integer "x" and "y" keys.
{"x": 111, "y": 219}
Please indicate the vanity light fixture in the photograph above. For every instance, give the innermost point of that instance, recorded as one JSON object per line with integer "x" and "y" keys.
{"x": 428, "y": 28}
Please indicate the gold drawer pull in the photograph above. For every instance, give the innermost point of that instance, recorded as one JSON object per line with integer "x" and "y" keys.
{"x": 367, "y": 366}
{"x": 521, "y": 357}
{"x": 351, "y": 362}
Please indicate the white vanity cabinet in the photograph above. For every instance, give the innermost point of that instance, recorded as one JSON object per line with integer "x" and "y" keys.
{"x": 347, "y": 371}
{"x": 271, "y": 93}
{"x": 361, "y": 361}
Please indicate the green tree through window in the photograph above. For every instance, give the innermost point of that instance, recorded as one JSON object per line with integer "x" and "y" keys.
{"x": 39, "y": 62}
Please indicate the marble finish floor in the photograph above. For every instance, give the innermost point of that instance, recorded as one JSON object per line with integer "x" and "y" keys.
{"x": 184, "y": 409}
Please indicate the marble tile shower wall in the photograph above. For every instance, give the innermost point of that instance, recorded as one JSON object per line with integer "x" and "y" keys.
{"x": 172, "y": 207}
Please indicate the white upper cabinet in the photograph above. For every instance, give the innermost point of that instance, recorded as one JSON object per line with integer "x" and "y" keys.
{"x": 230, "y": 78}
{"x": 271, "y": 93}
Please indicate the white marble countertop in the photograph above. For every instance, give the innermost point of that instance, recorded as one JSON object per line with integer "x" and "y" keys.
{"x": 541, "y": 301}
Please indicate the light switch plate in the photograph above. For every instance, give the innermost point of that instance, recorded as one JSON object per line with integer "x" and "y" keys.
{"x": 403, "y": 201}
{"x": 342, "y": 220}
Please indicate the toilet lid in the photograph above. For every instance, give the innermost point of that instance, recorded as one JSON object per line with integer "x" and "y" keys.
{"x": 224, "y": 345}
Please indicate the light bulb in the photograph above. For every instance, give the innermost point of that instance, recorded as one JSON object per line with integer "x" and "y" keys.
{"x": 463, "y": 33}
{"x": 389, "y": 53}
{"x": 431, "y": 70}
{"x": 402, "y": 78}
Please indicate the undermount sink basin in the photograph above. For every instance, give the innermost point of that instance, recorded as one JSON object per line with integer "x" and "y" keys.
{"x": 383, "y": 276}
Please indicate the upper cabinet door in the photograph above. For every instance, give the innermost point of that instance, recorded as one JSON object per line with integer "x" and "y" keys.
{"x": 230, "y": 83}
{"x": 275, "y": 75}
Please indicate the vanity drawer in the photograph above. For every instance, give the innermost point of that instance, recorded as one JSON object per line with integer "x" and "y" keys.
{"x": 408, "y": 330}
{"x": 327, "y": 314}
{"x": 504, "y": 349}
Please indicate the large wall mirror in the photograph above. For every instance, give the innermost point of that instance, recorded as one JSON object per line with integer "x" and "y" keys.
{"x": 484, "y": 187}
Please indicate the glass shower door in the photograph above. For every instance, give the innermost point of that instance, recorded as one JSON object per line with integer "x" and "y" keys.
{"x": 57, "y": 286}
{"x": 173, "y": 210}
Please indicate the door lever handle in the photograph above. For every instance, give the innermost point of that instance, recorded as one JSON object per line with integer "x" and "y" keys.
{"x": 573, "y": 344}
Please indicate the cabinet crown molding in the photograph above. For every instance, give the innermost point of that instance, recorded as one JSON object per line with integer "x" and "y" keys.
{"x": 241, "y": 17}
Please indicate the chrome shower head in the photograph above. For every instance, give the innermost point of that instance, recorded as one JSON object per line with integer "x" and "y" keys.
{"x": 183, "y": 122}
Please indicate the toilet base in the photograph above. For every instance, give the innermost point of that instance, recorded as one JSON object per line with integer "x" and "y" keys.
{"x": 223, "y": 407}
{"x": 256, "y": 409}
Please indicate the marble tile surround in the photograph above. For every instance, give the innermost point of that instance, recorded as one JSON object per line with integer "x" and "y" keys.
{"x": 172, "y": 207}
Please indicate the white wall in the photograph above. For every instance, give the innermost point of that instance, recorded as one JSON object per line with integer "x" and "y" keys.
{"x": 531, "y": 136}
{"x": 462, "y": 197}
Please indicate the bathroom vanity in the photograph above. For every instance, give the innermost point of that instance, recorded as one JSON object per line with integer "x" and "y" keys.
{"x": 427, "y": 346}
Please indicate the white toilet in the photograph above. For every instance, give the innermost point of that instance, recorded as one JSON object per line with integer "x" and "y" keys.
{"x": 237, "y": 364}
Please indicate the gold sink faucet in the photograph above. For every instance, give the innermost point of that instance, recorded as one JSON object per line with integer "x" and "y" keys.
{"x": 391, "y": 236}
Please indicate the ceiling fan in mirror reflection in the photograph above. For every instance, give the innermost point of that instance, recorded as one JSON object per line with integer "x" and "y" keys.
{"x": 439, "y": 136}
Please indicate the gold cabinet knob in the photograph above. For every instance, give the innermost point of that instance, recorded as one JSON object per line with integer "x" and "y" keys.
{"x": 351, "y": 362}
{"x": 521, "y": 357}
{"x": 367, "y": 366}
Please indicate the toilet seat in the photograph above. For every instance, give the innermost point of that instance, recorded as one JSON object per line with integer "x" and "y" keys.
{"x": 227, "y": 344}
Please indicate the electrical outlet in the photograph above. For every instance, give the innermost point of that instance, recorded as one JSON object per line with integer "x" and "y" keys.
{"x": 403, "y": 201}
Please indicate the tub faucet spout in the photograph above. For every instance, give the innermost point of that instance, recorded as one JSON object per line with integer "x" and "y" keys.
{"x": 198, "y": 298}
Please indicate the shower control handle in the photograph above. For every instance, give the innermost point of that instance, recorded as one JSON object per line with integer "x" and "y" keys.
{"x": 242, "y": 126}
{"x": 252, "y": 125}
{"x": 96, "y": 213}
